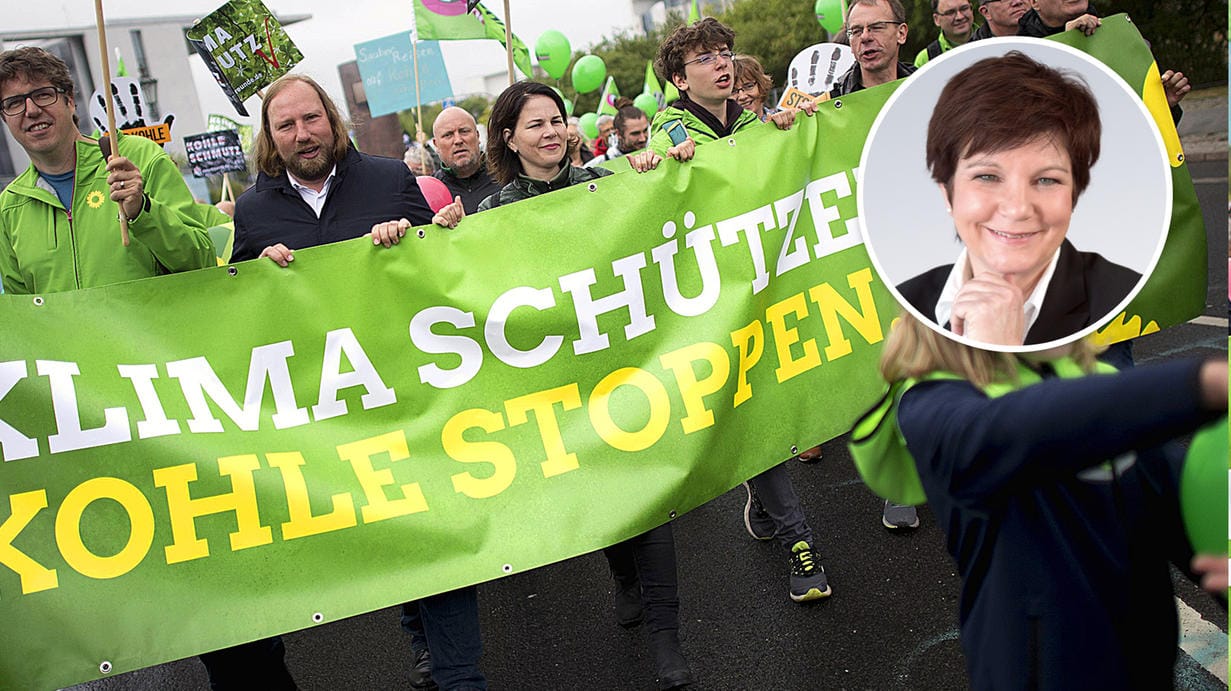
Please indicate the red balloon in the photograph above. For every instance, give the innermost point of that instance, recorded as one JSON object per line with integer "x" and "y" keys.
{"x": 435, "y": 192}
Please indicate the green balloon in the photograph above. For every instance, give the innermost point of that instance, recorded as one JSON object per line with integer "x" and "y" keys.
{"x": 588, "y": 124}
{"x": 568, "y": 107}
{"x": 829, "y": 14}
{"x": 589, "y": 73}
{"x": 1203, "y": 489}
{"x": 553, "y": 53}
{"x": 648, "y": 104}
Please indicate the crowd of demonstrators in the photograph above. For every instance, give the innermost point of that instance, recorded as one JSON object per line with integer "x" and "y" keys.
{"x": 955, "y": 19}
{"x": 631, "y": 133}
{"x": 315, "y": 188}
{"x": 528, "y": 153}
{"x": 1000, "y": 18}
{"x": 56, "y": 234}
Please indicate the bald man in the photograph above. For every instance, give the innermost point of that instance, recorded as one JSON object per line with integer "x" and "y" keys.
{"x": 456, "y": 135}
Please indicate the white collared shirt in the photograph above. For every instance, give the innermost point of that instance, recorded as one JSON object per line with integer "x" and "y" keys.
{"x": 961, "y": 272}
{"x": 315, "y": 199}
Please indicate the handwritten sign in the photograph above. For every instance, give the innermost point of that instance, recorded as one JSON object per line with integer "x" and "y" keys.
{"x": 387, "y": 66}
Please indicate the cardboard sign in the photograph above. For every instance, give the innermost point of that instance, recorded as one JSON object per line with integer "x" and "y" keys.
{"x": 159, "y": 133}
{"x": 215, "y": 153}
{"x": 244, "y": 47}
{"x": 792, "y": 98}
{"x": 387, "y": 66}
{"x": 130, "y": 111}
{"x": 816, "y": 68}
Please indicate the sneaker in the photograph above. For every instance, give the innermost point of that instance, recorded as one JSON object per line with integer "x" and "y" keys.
{"x": 421, "y": 672}
{"x": 808, "y": 580}
{"x": 760, "y": 526}
{"x": 899, "y": 516}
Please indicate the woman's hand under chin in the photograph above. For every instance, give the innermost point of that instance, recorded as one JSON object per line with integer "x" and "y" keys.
{"x": 988, "y": 309}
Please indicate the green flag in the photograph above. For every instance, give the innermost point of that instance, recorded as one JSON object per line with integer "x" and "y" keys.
{"x": 694, "y": 13}
{"x": 120, "y": 69}
{"x": 670, "y": 94}
{"x": 458, "y": 21}
{"x": 652, "y": 86}
{"x": 611, "y": 94}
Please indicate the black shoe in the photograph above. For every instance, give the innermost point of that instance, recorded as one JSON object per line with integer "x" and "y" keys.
{"x": 421, "y": 672}
{"x": 628, "y": 609}
{"x": 899, "y": 516}
{"x": 669, "y": 663}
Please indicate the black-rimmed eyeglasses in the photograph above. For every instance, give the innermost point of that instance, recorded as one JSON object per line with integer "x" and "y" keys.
{"x": 16, "y": 105}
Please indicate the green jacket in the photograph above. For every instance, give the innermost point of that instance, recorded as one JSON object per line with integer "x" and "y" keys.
{"x": 524, "y": 187}
{"x": 46, "y": 249}
{"x": 699, "y": 131}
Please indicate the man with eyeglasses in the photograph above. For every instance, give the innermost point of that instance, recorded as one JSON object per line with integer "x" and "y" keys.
{"x": 1000, "y": 18}
{"x": 877, "y": 30}
{"x": 59, "y": 222}
{"x": 698, "y": 60}
{"x": 954, "y": 18}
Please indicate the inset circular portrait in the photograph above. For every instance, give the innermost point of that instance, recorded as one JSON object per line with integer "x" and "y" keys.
{"x": 1014, "y": 194}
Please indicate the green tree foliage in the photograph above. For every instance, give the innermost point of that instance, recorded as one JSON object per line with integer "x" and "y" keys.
{"x": 476, "y": 105}
{"x": 1185, "y": 35}
{"x": 774, "y": 31}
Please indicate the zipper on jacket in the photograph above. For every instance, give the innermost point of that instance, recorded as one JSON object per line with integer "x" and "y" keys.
{"x": 72, "y": 242}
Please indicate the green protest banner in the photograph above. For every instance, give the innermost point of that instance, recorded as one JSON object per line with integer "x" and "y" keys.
{"x": 245, "y": 48}
{"x": 1176, "y": 290}
{"x": 206, "y": 458}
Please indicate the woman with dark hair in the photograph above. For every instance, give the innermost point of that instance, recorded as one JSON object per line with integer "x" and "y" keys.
{"x": 1058, "y": 491}
{"x": 1011, "y": 143}
{"x": 527, "y": 152}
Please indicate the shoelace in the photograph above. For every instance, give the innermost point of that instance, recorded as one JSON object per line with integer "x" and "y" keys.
{"x": 803, "y": 563}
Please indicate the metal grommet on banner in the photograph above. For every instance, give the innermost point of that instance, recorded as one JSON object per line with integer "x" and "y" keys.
{"x": 317, "y": 617}
{"x": 105, "y": 667}
{"x": 592, "y": 187}
{"x": 507, "y": 568}
{"x": 38, "y": 300}
{"x": 837, "y": 104}
{"x": 794, "y": 450}
{"x": 670, "y": 514}
{"x": 1180, "y": 157}
{"x": 422, "y": 233}
{"x": 232, "y": 270}
{"x": 731, "y": 142}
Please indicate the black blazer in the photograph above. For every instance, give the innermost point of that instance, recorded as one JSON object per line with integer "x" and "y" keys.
{"x": 1083, "y": 290}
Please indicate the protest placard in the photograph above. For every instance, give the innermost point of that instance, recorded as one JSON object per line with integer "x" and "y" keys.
{"x": 215, "y": 153}
{"x": 244, "y": 47}
{"x": 387, "y": 66}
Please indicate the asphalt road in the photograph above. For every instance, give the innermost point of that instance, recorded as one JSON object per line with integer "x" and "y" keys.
{"x": 890, "y": 624}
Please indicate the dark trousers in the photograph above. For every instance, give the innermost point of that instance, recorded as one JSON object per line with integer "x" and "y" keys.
{"x": 450, "y": 621}
{"x": 649, "y": 559}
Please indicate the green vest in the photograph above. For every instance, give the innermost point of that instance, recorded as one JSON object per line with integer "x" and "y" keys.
{"x": 880, "y": 452}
